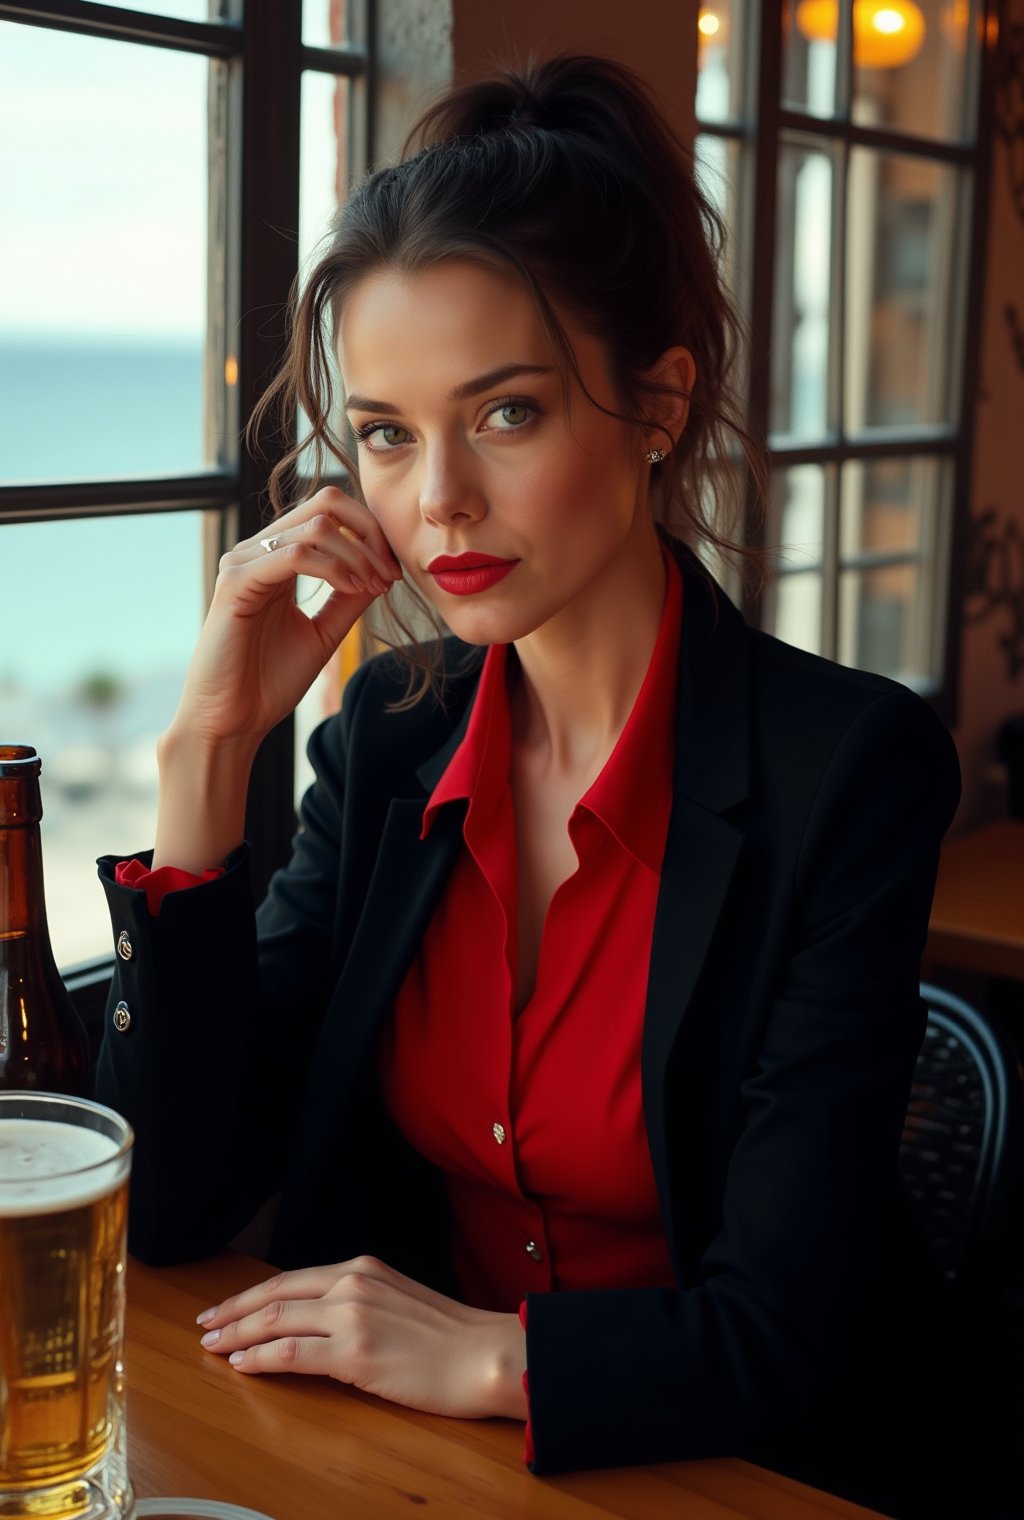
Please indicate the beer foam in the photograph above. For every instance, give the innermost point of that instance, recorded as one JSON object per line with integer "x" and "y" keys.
{"x": 41, "y": 1166}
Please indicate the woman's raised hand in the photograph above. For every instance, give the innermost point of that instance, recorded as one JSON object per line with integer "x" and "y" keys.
{"x": 259, "y": 652}
{"x": 363, "y": 1323}
{"x": 257, "y": 655}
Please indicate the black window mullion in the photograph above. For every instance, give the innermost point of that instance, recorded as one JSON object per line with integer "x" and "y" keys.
{"x": 109, "y": 498}
{"x": 271, "y": 106}
{"x": 214, "y": 38}
{"x": 349, "y": 60}
{"x": 762, "y": 279}
{"x": 830, "y": 541}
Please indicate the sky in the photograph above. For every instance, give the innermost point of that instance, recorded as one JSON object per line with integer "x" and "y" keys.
{"x": 103, "y": 163}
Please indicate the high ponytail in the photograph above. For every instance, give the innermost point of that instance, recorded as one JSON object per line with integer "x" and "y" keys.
{"x": 565, "y": 175}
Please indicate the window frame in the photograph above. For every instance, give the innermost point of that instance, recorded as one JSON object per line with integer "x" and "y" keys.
{"x": 265, "y": 56}
{"x": 760, "y": 129}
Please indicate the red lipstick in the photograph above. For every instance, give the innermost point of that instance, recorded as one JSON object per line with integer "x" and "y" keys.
{"x": 467, "y": 574}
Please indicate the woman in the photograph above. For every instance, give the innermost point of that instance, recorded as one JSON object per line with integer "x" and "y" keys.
{"x": 578, "y": 1032}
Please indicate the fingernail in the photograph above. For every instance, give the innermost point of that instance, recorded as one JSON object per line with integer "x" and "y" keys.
{"x": 357, "y": 583}
{"x": 205, "y": 1317}
{"x": 236, "y": 1358}
{"x": 210, "y": 1338}
{"x": 378, "y": 585}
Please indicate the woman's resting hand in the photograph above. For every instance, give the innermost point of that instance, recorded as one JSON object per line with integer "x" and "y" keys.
{"x": 362, "y": 1323}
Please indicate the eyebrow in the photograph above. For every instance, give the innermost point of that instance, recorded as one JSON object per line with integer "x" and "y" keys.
{"x": 459, "y": 392}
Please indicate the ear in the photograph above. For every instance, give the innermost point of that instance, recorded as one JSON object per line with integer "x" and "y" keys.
{"x": 669, "y": 409}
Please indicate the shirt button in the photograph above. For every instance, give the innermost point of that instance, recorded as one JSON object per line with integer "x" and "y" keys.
{"x": 534, "y": 1250}
{"x": 122, "y": 1018}
{"x": 498, "y": 1131}
{"x": 124, "y": 945}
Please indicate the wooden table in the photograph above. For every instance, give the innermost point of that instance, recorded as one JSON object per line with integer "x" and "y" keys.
{"x": 977, "y": 919}
{"x": 302, "y": 1448}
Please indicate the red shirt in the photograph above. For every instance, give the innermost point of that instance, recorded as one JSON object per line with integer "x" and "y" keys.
{"x": 536, "y": 1119}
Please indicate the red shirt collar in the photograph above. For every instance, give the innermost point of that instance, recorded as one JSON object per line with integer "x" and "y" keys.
{"x": 632, "y": 796}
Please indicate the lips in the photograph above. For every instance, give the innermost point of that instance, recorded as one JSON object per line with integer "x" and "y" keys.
{"x": 468, "y": 574}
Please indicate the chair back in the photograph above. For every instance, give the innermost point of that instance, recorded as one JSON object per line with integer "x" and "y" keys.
{"x": 961, "y": 1145}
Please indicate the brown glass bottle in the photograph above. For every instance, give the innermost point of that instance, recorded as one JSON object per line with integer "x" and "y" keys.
{"x": 43, "y": 1044}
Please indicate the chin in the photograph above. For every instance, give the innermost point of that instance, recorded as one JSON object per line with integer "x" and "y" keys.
{"x": 489, "y": 625}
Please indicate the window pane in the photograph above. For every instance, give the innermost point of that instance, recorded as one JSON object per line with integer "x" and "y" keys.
{"x": 323, "y": 23}
{"x": 103, "y": 159}
{"x": 794, "y": 611}
{"x": 98, "y": 618}
{"x": 796, "y": 545}
{"x": 880, "y": 627}
{"x": 809, "y": 56}
{"x": 911, "y": 60}
{"x": 326, "y": 152}
{"x": 800, "y": 404}
{"x": 903, "y": 260}
{"x": 718, "y": 163}
{"x": 891, "y": 615}
{"x": 323, "y": 178}
{"x": 324, "y": 169}
{"x": 85, "y": 408}
{"x": 720, "y": 41}
{"x": 798, "y": 516}
{"x": 333, "y": 23}
{"x": 889, "y": 506}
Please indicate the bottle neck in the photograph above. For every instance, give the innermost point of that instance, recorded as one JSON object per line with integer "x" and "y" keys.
{"x": 22, "y": 904}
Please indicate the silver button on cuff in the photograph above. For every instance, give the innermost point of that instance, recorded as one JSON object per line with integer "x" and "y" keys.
{"x": 498, "y": 1131}
{"x": 534, "y": 1250}
{"x": 124, "y": 946}
{"x": 122, "y": 1018}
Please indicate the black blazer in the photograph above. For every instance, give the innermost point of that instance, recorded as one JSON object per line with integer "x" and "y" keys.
{"x": 781, "y": 1029}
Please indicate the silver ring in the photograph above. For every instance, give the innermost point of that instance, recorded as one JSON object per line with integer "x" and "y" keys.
{"x": 270, "y": 544}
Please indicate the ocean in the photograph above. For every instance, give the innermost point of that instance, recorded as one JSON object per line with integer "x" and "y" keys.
{"x": 98, "y": 617}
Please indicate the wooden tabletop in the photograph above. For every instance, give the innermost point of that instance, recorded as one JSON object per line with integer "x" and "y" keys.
{"x": 977, "y": 918}
{"x": 303, "y": 1448}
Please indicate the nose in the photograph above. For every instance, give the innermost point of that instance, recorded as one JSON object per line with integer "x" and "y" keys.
{"x": 449, "y": 490}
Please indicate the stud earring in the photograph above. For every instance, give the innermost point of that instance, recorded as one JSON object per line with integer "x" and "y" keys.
{"x": 654, "y": 456}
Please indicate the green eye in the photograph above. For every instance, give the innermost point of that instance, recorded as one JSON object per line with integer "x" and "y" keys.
{"x": 382, "y": 436}
{"x": 510, "y": 415}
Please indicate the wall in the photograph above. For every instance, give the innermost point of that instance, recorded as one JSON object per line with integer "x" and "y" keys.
{"x": 992, "y": 649}
{"x": 658, "y": 38}
{"x": 426, "y": 44}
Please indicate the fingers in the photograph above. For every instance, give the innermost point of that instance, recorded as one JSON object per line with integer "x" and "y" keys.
{"x": 309, "y": 1282}
{"x": 335, "y": 524}
{"x": 281, "y": 1319}
{"x": 309, "y": 1354}
{"x": 315, "y": 548}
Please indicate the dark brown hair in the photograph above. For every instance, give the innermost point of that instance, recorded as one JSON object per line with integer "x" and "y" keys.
{"x": 566, "y": 175}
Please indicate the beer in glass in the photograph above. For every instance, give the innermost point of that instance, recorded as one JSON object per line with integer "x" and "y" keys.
{"x": 64, "y": 1166}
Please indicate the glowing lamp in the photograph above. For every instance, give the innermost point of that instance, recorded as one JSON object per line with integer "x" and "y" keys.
{"x": 886, "y": 33}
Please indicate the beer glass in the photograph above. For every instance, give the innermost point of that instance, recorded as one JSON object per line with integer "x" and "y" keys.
{"x": 64, "y": 1166}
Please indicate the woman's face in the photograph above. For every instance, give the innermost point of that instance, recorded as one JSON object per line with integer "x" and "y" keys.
{"x": 466, "y": 448}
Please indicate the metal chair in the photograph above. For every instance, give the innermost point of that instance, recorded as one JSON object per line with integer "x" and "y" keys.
{"x": 961, "y": 1151}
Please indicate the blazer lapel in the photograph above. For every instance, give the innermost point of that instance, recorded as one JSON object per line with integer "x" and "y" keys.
{"x": 408, "y": 877}
{"x": 712, "y": 768}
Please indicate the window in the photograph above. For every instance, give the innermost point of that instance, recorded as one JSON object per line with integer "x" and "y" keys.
{"x": 849, "y": 168}
{"x": 166, "y": 171}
